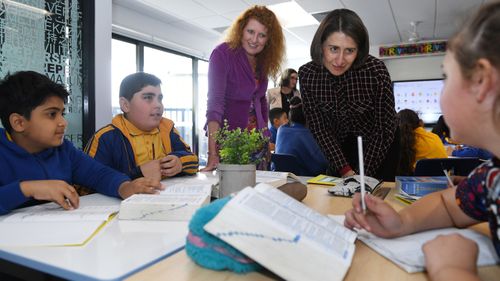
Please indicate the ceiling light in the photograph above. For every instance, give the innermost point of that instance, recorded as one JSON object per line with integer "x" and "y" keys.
{"x": 414, "y": 36}
{"x": 291, "y": 14}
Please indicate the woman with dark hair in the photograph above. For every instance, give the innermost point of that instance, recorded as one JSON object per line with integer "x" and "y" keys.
{"x": 416, "y": 142}
{"x": 296, "y": 139}
{"x": 470, "y": 96}
{"x": 238, "y": 73}
{"x": 280, "y": 96}
{"x": 348, "y": 93}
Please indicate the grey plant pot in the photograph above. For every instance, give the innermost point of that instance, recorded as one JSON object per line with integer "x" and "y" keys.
{"x": 233, "y": 178}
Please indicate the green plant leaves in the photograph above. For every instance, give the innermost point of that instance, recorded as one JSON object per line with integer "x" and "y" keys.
{"x": 241, "y": 146}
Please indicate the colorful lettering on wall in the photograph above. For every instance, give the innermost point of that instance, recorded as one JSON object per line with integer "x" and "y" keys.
{"x": 425, "y": 48}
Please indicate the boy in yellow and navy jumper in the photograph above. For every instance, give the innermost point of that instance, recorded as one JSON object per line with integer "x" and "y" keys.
{"x": 140, "y": 142}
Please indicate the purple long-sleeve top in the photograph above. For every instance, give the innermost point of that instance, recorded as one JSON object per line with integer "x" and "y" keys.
{"x": 232, "y": 88}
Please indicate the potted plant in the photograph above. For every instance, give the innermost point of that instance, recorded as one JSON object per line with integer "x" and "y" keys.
{"x": 240, "y": 150}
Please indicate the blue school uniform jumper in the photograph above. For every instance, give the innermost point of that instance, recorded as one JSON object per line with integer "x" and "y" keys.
{"x": 64, "y": 162}
{"x": 296, "y": 139}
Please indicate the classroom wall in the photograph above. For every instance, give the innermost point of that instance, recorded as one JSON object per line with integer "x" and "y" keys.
{"x": 102, "y": 53}
{"x": 415, "y": 68}
{"x": 412, "y": 68}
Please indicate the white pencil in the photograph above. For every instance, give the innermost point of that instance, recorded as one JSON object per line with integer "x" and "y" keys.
{"x": 450, "y": 182}
{"x": 361, "y": 172}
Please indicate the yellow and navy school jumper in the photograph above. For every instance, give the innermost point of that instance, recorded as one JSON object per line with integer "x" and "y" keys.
{"x": 114, "y": 146}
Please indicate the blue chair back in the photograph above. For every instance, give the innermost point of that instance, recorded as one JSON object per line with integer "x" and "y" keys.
{"x": 285, "y": 163}
{"x": 460, "y": 166}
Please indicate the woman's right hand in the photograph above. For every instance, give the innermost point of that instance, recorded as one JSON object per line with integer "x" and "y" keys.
{"x": 379, "y": 218}
{"x": 212, "y": 162}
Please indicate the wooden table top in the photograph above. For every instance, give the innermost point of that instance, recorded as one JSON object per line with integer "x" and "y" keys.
{"x": 366, "y": 264}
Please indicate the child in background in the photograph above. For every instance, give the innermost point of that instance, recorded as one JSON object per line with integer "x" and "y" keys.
{"x": 455, "y": 149}
{"x": 296, "y": 139}
{"x": 416, "y": 142}
{"x": 277, "y": 117}
{"x": 471, "y": 96}
{"x": 36, "y": 162}
{"x": 140, "y": 142}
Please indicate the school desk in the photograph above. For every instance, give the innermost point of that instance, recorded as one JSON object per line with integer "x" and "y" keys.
{"x": 118, "y": 250}
{"x": 366, "y": 264}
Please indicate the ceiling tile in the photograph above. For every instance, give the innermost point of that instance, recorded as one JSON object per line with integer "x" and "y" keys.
{"x": 305, "y": 32}
{"x": 223, "y": 6}
{"x": 212, "y": 21}
{"x": 185, "y": 9}
{"x": 263, "y": 2}
{"x": 378, "y": 19}
{"x": 451, "y": 14}
{"x": 319, "y": 5}
{"x": 406, "y": 11}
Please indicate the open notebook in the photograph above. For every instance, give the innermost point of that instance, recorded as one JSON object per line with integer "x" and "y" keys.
{"x": 406, "y": 251}
{"x": 51, "y": 225}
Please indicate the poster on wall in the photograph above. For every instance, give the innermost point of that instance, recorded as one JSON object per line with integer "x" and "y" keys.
{"x": 46, "y": 36}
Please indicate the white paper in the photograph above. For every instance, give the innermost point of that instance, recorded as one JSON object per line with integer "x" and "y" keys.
{"x": 52, "y": 212}
{"x": 406, "y": 251}
{"x": 177, "y": 202}
{"x": 16, "y": 234}
{"x": 185, "y": 188}
{"x": 301, "y": 210}
{"x": 275, "y": 178}
{"x": 51, "y": 225}
{"x": 277, "y": 238}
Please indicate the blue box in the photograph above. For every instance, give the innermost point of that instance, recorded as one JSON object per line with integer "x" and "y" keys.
{"x": 420, "y": 186}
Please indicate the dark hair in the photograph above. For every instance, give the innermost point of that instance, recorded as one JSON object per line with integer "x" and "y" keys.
{"x": 275, "y": 113}
{"x": 347, "y": 22}
{"x": 408, "y": 122}
{"x": 23, "y": 91}
{"x": 134, "y": 83}
{"x": 441, "y": 129}
{"x": 296, "y": 111}
{"x": 477, "y": 39}
{"x": 286, "y": 76}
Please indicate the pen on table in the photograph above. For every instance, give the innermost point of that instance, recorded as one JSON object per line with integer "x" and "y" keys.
{"x": 450, "y": 182}
{"x": 361, "y": 173}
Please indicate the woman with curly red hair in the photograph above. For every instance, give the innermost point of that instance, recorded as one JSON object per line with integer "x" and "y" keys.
{"x": 238, "y": 74}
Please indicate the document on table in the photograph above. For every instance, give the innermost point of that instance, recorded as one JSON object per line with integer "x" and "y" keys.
{"x": 50, "y": 225}
{"x": 406, "y": 251}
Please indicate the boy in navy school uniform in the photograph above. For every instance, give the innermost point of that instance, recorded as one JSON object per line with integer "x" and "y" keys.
{"x": 140, "y": 141}
{"x": 277, "y": 117}
{"x": 36, "y": 162}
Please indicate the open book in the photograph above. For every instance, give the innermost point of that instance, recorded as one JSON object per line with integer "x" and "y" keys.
{"x": 284, "y": 235}
{"x": 50, "y": 225}
{"x": 177, "y": 202}
{"x": 275, "y": 179}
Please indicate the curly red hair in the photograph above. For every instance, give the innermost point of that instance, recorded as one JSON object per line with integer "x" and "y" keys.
{"x": 272, "y": 56}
